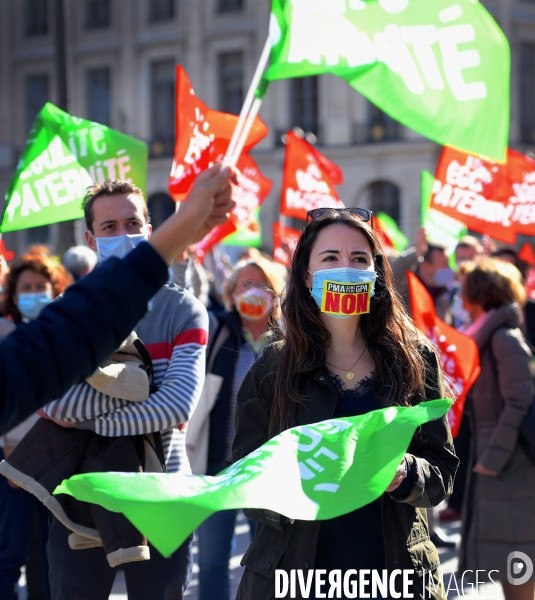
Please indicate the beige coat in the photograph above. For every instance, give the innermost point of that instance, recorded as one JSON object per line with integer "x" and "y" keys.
{"x": 499, "y": 512}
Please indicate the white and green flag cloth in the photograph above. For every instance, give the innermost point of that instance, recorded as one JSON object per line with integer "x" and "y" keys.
{"x": 311, "y": 472}
{"x": 440, "y": 228}
{"x": 440, "y": 67}
{"x": 63, "y": 155}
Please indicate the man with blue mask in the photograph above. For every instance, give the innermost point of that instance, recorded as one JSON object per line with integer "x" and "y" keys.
{"x": 175, "y": 331}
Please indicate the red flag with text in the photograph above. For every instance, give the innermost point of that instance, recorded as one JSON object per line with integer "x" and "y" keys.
{"x": 309, "y": 179}
{"x": 491, "y": 198}
{"x": 284, "y": 242}
{"x": 457, "y": 352}
{"x": 252, "y": 190}
{"x": 197, "y": 129}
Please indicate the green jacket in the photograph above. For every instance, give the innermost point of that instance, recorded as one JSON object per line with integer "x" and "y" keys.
{"x": 280, "y": 545}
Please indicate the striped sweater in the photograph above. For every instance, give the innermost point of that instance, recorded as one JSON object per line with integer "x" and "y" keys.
{"x": 175, "y": 332}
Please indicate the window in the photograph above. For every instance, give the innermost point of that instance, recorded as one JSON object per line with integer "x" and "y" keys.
{"x": 97, "y": 14}
{"x": 161, "y": 10}
{"x": 527, "y": 93}
{"x": 36, "y": 17}
{"x": 36, "y": 97}
{"x": 38, "y": 235}
{"x": 160, "y": 207}
{"x": 305, "y": 104}
{"x": 99, "y": 96}
{"x": 230, "y": 74}
{"x": 381, "y": 127}
{"x": 225, "y": 6}
{"x": 384, "y": 196}
{"x": 162, "y": 108}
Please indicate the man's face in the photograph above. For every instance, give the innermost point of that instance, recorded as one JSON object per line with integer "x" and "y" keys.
{"x": 440, "y": 259}
{"x": 115, "y": 215}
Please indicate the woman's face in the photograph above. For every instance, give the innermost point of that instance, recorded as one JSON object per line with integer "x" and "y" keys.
{"x": 250, "y": 277}
{"x": 30, "y": 282}
{"x": 339, "y": 246}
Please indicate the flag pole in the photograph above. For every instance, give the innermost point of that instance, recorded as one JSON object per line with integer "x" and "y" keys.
{"x": 247, "y": 105}
{"x": 244, "y": 134}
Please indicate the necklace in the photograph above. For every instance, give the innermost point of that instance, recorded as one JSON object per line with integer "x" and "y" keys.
{"x": 349, "y": 373}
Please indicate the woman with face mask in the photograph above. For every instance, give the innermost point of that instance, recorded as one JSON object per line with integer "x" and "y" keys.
{"x": 33, "y": 282}
{"x": 348, "y": 348}
{"x": 237, "y": 338}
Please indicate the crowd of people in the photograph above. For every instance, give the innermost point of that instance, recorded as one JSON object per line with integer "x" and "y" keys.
{"x": 233, "y": 354}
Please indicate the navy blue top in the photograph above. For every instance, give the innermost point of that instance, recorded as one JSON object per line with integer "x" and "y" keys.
{"x": 42, "y": 359}
{"x": 354, "y": 540}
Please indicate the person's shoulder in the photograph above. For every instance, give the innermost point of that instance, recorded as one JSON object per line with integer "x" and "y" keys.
{"x": 7, "y": 326}
{"x": 172, "y": 294}
{"x": 509, "y": 340}
{"x": 271, "y": 354}
{"x": 426, "y": 348}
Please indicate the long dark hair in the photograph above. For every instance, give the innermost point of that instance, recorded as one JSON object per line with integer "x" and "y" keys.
{"x": 389, "y": 332}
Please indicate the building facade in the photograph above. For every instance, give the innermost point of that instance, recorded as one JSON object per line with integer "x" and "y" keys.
{"x": 120, "y": 62}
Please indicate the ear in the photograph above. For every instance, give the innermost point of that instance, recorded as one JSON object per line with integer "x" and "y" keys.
{"x": 309, "y": 280}
{"x": 149, "y": 229}
{"x": 90, "y": 240}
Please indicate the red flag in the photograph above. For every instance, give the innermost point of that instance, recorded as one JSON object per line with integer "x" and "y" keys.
{"x": 252, "y": 190}
{"x": 527, "y": 255}
{"x": 284, "y": 242}
{"x": 458, "y": 353}
{"x": 197, "y": 128}
{"x": 385, "y": 240}
{"x": 7, "y": 254}
{"x": 494, "y": 199}
{"x": 309, "y": 179}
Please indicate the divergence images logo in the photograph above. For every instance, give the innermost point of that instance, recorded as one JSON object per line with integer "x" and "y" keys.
{"x": 519, "y": 568}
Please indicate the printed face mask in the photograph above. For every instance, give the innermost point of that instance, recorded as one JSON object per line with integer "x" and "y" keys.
{"x": 254, "y": 304}
{"x": 30, "y": 305}
{"x": 343, "y": 293}
{"x": 118, "y": 245}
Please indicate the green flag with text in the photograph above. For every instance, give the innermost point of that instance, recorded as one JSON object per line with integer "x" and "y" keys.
{"x": 311, "y": 472}
{"x": 439, "y": 67}
{"x": 63, "y": 155}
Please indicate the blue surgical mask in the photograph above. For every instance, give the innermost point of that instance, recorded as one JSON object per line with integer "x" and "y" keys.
{"x": 444, "y": 277}
{"x": 344, "y": 292}
{"x": 118, "y": 245}
{"x": 30, "y": 305}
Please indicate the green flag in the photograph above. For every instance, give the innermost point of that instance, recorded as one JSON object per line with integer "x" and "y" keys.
{"x": 440, "y": 228}
{"x": 439, "y": 67}
{"x": 390, "y": 227}
{"x": 63, "y": 155}
{"x": 247, "y": 236}
{"x": 311, "y": 472}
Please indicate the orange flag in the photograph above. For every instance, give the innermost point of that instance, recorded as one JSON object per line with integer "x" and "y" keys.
{"x": 458, "y": 353}
{"x": 309, "y": 179}
{"x": 197, "y": 128}
{"x": 284, "y": 242}
{"x": 491, "y": 198}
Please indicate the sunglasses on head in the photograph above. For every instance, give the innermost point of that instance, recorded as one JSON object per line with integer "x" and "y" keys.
{"x": 317, "y": 213}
